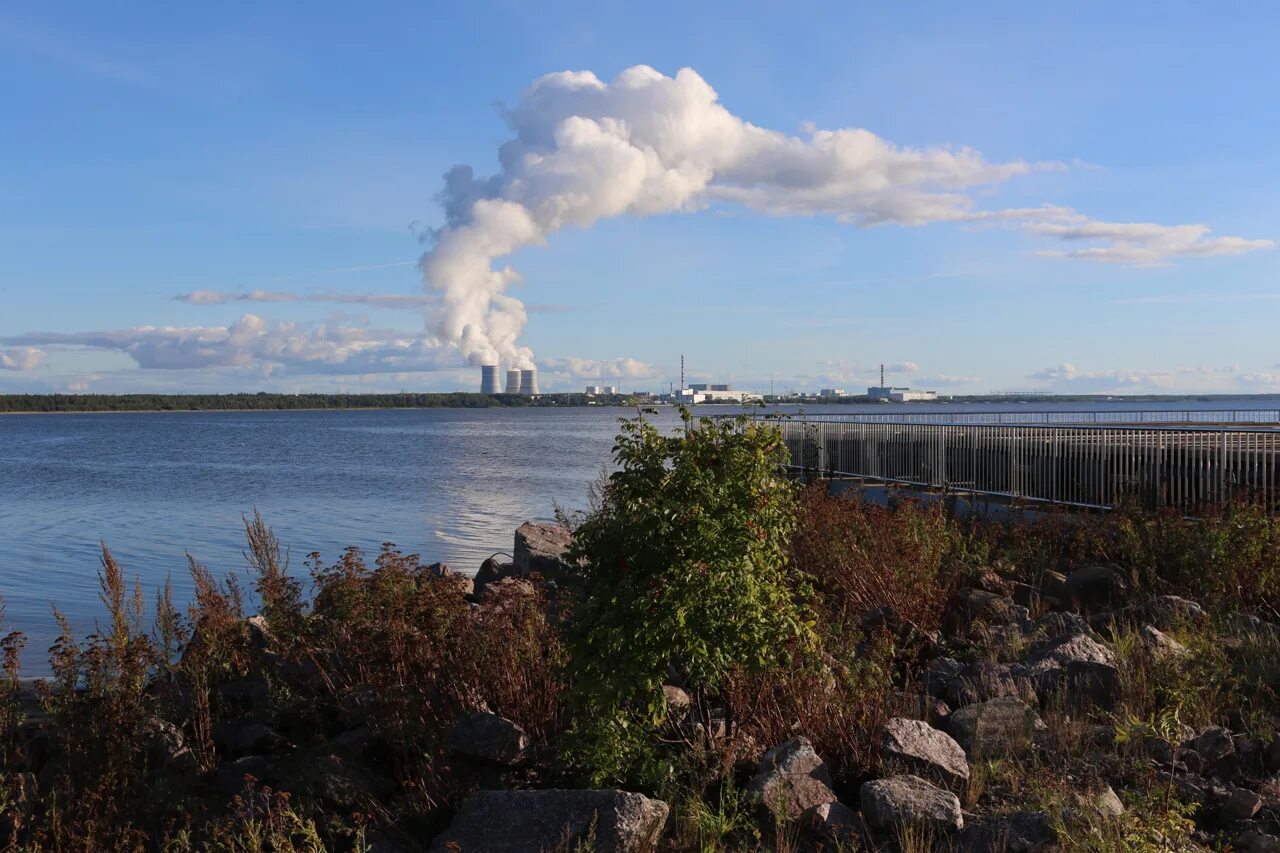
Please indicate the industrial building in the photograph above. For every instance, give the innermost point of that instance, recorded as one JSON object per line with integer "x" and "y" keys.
{"x": 602, "y": 389}
{"x": 523, "y": 382}
{"x": 705, "y": 393}
{"x": 900, "y": 395}
{"x": 833, "y": 393}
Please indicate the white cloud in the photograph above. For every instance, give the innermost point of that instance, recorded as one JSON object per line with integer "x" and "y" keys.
{"x": 373, "y": 300}
{"x": 946, "y": 380}
{"x": 1197, "y": 299}
{"x": 23, "y": 358}
{"x": 1067, "y": 378}
{"x": 253, "y": 342}
{"x": 1142, "y": 244}
{"x": 586, "y": 368}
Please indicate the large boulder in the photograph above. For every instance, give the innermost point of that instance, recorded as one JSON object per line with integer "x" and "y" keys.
{"x": 488, "y": 737}
{"x": 791, "y": 779}
{"x": 998, "y": 728}
{"x": 909, "y": 801}
{"x": 605, "y": 821}
{"x": 1078, "y": 663}
{"x": 923, "y": 749}
{"x": 541, "y": 548}
{"x": 1092, "y": 587}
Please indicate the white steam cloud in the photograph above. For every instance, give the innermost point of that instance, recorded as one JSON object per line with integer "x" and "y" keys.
{"x": 644, "y": 144}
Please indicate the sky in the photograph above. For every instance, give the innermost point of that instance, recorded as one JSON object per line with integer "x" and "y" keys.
{"x": 1067, "y": 197}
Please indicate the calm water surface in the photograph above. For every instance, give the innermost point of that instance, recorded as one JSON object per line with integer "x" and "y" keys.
{"x": 448, "y": 484}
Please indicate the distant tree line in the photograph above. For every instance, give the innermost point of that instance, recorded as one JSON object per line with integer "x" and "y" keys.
{"x": 266, "y": 401}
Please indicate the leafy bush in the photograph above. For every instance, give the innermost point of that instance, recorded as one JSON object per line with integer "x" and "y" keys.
{"x": 684, "y": 574}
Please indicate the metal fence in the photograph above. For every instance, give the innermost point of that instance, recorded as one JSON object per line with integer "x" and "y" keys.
{"x": 1110, "y": 416}
{"x": 1095, "y": 466}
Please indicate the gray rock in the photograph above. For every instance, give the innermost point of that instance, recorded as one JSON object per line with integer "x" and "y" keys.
{"x": 165, "y": 746}
{"x": 1066, "y": 648}
{"x": 604, "y": 821}
{"x": 488, "y": 737}
{"x": 541, "y": 548}
{"x": 1023, "y": 832}
{"x": 832, "y": 822}
{"x": 1000, "y": 727}
{"x": 1253, "y": 841}
{"x": 1106, "y": 802}
{"x": 1169, "y": 612}
{"x": 978, "y": 605}
{"x": 911, "y": 801}
{"x": 1214, "y": 744}
{"x": 1241, "y": 804}
{"x": 1079, "y": 663}
{"x": 924, "y": 750}
{"x": 1161, "y": 645}
{"x": 1058, "y": 624}
{"x": 491, "y": 571}
{"x": 791, "y": 779}
{"x": 1053, "y": 587}
{"x": 963, "y": 684}
{"x": 1091, "y": 587}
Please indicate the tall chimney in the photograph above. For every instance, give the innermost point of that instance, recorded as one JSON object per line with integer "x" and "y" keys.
{"x": 513, "y": 382}
{"x": 529, "y": 382}
{"x": 488, "y": 379}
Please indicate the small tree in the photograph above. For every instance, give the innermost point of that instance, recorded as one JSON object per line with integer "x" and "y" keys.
{"x": 684, "y": 572}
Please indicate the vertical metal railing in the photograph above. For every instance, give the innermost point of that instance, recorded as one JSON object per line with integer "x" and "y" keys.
{"x": 1159, "y": 466}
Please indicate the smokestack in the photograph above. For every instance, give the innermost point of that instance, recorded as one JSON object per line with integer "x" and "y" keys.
{"x": 513, "y": 382}
{"x": 488, "y": 379}
{"x": 529, "y": 383}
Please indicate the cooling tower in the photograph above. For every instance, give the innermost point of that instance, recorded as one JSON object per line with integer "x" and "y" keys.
{"x": 529, "y": 383}
{"x": 513, "y": 382}
{"x": 488, "y": 379}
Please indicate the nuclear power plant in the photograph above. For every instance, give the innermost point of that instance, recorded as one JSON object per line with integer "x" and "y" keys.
{"x": 523, "y": 382}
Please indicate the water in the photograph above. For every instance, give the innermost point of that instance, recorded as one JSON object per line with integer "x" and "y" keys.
{"x": 448, "y": 484}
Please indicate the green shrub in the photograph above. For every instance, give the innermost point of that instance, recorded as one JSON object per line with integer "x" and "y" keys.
{"x": 685, "y": 574}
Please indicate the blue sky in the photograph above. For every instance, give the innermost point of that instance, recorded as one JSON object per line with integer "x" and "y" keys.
{"x": 200, "y": 198}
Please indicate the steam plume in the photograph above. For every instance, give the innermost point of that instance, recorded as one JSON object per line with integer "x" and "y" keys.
{"x": 584, "y": 150}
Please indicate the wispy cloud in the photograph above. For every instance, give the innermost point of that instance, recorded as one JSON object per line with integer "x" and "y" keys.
{"x": 1140, "y": 244}
{"x": 23, "y": 358}
{"x": 65, "y": 52}
{"x": 374, "y": 300}
{"x": 1198, "y": 299}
